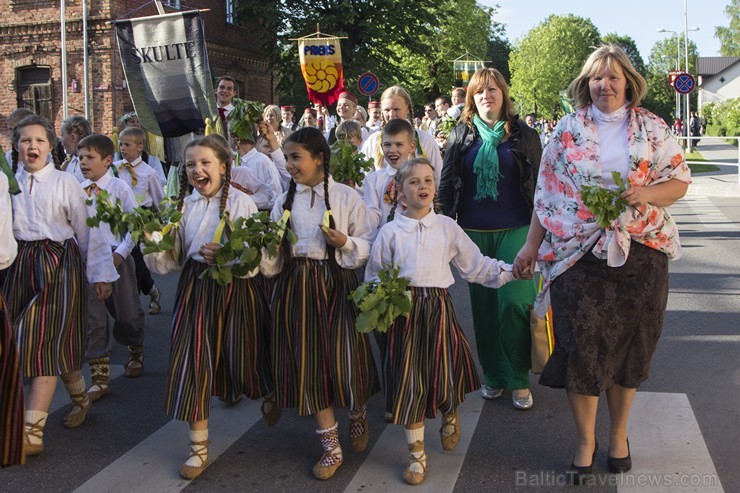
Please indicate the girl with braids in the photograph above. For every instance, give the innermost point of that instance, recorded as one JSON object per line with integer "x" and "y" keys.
{"x": 45, "y": 286}
{"x": 319, "y": 360}
{"x": 74, "y": 129}
{"x": 219, "y": 333}
{"x": 379, "y": 187}
{"x": 427, "y": 363}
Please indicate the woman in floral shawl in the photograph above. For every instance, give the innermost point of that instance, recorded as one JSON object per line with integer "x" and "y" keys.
{"x": 608, "y": 286}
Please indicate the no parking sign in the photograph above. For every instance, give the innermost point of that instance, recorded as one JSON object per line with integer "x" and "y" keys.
{"x": 684, "y": 83}
{"x": 368, "y": 84}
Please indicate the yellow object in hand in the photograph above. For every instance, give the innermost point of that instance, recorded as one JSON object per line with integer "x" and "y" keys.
{"x": 326, "y": 221}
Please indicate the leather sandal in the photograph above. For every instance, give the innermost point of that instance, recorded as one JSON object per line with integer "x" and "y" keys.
{"x": 328, "y": 464}
{"x": 77, "y": 412}
{"x": 99, "y": 388}
{"x": 450, "y": 441}
{"x": 33, "y": 430}
{"x": 192, "y": 472}
{"x": 135, "y": 364}
{"x": 272, "y": 416}
{"x": 414, "y": 477}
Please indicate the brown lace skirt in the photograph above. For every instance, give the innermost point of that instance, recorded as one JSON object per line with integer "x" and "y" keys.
{"x": 607, "y": 321}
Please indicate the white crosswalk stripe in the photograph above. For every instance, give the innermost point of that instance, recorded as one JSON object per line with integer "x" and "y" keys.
{"x": 709, "y": 216}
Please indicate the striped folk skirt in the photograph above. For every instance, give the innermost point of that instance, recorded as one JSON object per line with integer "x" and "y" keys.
{"x": 319, "y": 359}
{"x": 11, "y": 394}
{"x": 427, "y": 362}
{"x": 219, "y": 344}
{"x": 46, "y": 291}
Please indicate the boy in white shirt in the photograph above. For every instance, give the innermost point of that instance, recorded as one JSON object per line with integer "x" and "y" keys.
{"x": 144, "y": 182}
{"x": 96, "y": 155}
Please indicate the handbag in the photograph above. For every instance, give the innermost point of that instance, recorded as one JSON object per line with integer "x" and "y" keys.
{"x": 543, "y": 336}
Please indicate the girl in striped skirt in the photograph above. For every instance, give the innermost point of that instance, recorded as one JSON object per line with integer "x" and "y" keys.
{"x": 219, "y": 333}
{"x": 45, "y": 286}
{"x": 319, "y": 360}
{"x": 11, "y": 386}
{"x": 427, "y": 364}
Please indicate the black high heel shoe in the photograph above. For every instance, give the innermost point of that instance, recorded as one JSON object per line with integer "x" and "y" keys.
{"x": 617, "y": 466}
{"x": 578, "y": 474}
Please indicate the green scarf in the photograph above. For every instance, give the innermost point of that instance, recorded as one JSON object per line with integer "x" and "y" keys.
{"x": 485, "y": 166}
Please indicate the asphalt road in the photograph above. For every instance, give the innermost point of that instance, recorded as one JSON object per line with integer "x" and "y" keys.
{"x": 685, "y": 420}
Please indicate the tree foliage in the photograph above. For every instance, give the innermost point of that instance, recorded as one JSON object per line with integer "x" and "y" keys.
{"x": 406, "y": 43}
{"x": 661, "y": 98}
{"x": 630, "y": 47}
{"x": 729, "y": 37}
{"x": 547, "y": 59}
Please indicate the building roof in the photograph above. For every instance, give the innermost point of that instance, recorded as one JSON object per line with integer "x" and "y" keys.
{"x": 712, "y": 65}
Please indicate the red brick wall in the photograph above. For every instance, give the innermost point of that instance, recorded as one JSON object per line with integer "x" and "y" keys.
{"x": 30, "y": 34}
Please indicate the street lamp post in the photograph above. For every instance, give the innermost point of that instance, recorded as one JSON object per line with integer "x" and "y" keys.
{"x": 686, "y": 48}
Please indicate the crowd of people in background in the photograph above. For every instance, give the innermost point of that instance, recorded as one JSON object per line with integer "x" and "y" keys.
{"x": 465, "y": 184}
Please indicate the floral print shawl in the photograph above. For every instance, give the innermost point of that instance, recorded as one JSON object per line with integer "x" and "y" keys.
{"x": 570, "y": 160}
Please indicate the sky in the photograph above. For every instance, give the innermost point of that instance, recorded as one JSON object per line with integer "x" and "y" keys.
{"x": 639, "y": 19}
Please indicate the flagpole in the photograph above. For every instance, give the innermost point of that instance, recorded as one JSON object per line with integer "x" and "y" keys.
{"x": 85, "y": 61}
{"x": 64, "y": 59}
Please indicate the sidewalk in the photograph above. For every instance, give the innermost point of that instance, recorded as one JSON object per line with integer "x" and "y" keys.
{"x": 722, "y": 183}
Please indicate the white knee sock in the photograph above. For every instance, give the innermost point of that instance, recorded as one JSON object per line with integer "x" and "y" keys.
{"x": 413, "y": 436}
{"x": 35, "y": 417}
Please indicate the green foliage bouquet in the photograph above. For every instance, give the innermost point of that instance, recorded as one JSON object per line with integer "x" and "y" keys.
{"x": 380, "y": 303}
{"x": 347, "y": 163}
{"x": 605, "y": 204}
{"x": 244, "y": 117}
{"x": 241, "y": 252}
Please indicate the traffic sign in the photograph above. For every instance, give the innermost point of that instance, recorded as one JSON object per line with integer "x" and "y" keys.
{"x": 684, "y": 83}
{"x": 368, "y": 84}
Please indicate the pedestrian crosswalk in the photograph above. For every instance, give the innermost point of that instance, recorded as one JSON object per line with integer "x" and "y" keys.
{"x": 667, "y": 445}
{"x": 704, "y": 213}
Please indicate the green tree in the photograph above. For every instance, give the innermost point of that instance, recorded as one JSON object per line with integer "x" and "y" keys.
{"x": 630, "y": 47}
{"x": 661, "y": 98}
{"x": 547, "y": 59}
{"x": 729, "y": 37}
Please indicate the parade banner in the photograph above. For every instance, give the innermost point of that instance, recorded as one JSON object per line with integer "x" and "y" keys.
{"x": 166, "y": 67}
{"x": 321, "y": 64}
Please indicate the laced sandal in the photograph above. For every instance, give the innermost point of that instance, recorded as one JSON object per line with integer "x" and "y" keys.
{"x": 100, "y": 373}
{"x": 271, "y": 416}
{"x": 450, "y": 440}
{"x": 191, "y": 472}
{"x": 332, "y": 457}
{"x": 358, "y": 430}
{"x": 34, "y": 430}
{"x": 328, "y": 464}
{"x": 135, "y": 364}
{"x": 413, "y": 477}
{"x": 77, "y": 412}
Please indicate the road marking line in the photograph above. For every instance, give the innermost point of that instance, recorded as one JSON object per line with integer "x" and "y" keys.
{"x": 153, "y": 464}
{"x": 383, "y": 468}
{"x": 668, "y": 449}
{"x": 706, "y": 338}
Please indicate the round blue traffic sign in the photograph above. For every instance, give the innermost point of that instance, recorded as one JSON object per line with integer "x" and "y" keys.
{"x": 684, "y": 83}
{"x": 368, "y": 84}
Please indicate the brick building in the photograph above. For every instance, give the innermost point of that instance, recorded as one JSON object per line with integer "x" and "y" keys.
{"x": 30, "y": 57}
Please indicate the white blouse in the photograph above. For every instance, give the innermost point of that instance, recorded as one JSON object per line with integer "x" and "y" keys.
{"x": 51, "y": 206}
{"x": 374, "y": 187}
{"x": 117, "y": 189}
{"x": 611, "y": 128}
{"x": 424, "y": 250}
{"x": 147, "y": 182}
{"x": 351, "y": 217}
{"x": 259, "y": 175}
{"x": 73, "y": 168}
{"x": 197, "y": 226}
{"x": 8, "y": 245}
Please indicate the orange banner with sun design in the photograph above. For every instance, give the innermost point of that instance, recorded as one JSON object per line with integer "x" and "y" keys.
{"x": 321, "y": 65}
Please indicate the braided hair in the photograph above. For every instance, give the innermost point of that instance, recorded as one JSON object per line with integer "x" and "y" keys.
{"x": 50, "y": 136}
{"x": 217, "y": 144}
{"x": 314, "y": 142}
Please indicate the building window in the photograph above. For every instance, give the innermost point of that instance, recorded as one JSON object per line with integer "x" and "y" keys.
{"x": 231, "y": 11}
{"x": 34, "y": 90}
{"x": 175, "y": 4}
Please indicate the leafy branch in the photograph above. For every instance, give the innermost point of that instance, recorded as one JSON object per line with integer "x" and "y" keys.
{"x": 348, "y": 164}
{"x": 380, "y": 303}
{"x": 243, "y": 119}
{"x": 605, "y": 204}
